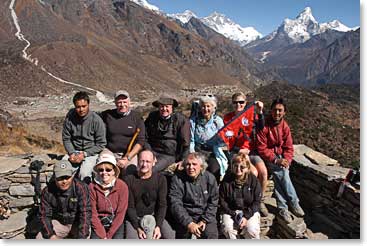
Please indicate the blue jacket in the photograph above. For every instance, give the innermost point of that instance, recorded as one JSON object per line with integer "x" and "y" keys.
{"x": 203, "y": 134}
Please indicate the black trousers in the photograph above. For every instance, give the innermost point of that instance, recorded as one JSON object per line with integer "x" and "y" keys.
{"x": 213, "y": 166}
{"x": 211, "y": 232}
{"x": 163, "y": 161}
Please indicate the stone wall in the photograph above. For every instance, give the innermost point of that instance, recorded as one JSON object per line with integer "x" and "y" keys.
{"x": 316, "y": 177}
{"x": 17, "y": 187}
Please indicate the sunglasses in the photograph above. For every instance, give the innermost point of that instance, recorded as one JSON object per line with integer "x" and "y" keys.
{"x": 240, "y": 102}
{"x": 107, "y": 170}
{"x": 240, "y": 166}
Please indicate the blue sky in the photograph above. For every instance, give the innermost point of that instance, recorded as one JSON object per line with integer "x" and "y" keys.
{"x": 266, "y": 16}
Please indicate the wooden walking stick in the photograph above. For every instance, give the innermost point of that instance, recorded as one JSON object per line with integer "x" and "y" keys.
{"x": 132, "y": 141}
{"x": 129, "y": 147}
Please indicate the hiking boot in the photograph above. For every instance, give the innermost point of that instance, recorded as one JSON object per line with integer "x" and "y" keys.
{"x": 297, "y": 211}
{"x": 285, "y": 215}
{"x": 263, "y": 210}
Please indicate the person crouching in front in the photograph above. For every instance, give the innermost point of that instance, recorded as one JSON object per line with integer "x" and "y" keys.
{"x": 65, "y": 210}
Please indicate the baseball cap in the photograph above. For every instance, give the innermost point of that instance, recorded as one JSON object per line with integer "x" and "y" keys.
{"x": 63, "y": 168}
{"x": 122, "y": 93}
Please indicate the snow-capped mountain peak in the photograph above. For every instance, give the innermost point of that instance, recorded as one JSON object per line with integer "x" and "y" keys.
{"x": 335, "y": 25}
{"x": 306, "y": 16}
{"x": 218, "y": 18}
{"x": 305, "y": 26}
{"x": 225, "y": 26}
{"x": 146, "y": 5}
{"x": 183, "y": 17}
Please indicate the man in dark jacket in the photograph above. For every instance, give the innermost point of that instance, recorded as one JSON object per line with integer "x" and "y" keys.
{"x": 275, "y": 146}
{"x": 65, "y": 210}
{"x": 167, "y": 133}
{"x": 194, "y": 199}
{"x": 83, "y": 136}
{"x": 122, "y": 124}
{"x": 147, "y": 202}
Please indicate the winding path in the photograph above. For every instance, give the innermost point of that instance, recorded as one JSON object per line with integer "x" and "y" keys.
{"x": 100, "y": 96}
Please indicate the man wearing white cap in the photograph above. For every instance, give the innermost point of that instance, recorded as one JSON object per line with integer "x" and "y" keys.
{"x": 65, "y": 210}
{"x": 122, "y": 124}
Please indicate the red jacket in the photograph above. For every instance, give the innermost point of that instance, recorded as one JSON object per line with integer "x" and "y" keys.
{"x": 118, "y": 198}
{"x": 275, "y": 139}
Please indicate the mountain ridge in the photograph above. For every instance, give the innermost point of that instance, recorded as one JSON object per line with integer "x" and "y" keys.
{"x": 111, "y": 44}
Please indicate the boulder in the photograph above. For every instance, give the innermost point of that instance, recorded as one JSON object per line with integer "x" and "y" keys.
{"x": 21, "y": 202}
{"x": 4, "y": 184}
{"x": 15, "y": 223}
{"x": 314, "y": 156}
{"x": 21, "y": 190}
{"x": 9, "y": 164}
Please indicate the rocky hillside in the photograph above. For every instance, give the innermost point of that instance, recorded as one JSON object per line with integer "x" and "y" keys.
{"x": 324, "y": 118}
{"x": 110, "y": 44}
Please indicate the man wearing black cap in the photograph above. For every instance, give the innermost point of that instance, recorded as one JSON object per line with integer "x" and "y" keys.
{"x": 65, "y": 210}
{"x": 167, "y": 133}
{"x": 122, "y": 124}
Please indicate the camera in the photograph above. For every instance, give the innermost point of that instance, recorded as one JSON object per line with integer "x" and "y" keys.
{"x": 106, "y": 221}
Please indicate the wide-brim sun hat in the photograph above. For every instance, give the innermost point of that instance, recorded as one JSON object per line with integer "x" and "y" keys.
{"x": 165, "y": 101}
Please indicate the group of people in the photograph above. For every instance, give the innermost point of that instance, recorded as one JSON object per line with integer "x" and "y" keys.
{"x": 113, "y": 182}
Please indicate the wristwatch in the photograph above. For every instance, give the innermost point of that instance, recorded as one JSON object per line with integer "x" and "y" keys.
{"x": 128, "y": 158}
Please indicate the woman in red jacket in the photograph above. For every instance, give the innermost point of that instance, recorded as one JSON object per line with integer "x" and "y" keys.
{"x": 109, "y": 199}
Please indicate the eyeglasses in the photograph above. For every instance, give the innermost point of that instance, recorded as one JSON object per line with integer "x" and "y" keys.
{"x": 240, "y": 102}
{"x": 107, "y": 170}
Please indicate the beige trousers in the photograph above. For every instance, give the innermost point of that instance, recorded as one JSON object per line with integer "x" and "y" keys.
{"x": 251, "y": 231}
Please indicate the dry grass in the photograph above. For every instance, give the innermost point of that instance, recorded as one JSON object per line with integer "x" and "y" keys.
{"x": 16, "y": 140}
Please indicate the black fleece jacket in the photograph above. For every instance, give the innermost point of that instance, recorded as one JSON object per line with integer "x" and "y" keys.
{"x": 246, "y": 197}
